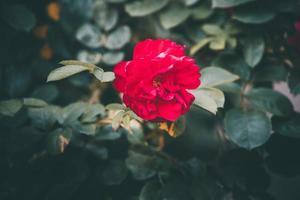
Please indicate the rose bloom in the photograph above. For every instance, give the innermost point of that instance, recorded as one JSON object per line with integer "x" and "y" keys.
{"x": 155, "y": 82}
{"x": 295, "y": 40}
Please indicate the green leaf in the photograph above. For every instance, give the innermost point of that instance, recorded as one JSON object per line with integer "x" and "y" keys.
{"x": 117, "y": 119}
{"x": 202, "y": 11}
{"x": 287, "y": 126}
{"x": 209, "y": 98}
{"x": 234, "y": 63}
{"x": 107, "y": 133}
{"x": 214, "y": 76}
{"x": 247, "y": 129}
{"x": 98, "y": 150}
{"x": 141, "y": 166}
{"x": 47, "y": 92}
{"x": 77, "y": 62}
{"x": 32, "y": 102}
{"x": 217, "y": 43}
{"x": 294, "y": 81}
{"x": 174, "y": 16}
{"x": 254, "y": 47}
{"x": 45, "y": 117}
{"x": 118, "y": 38}
{"x": 72, "y": 112}
{"x": 105, "y": 17}
{"x": 134, "y": 116}
{"x": 271, "y": 101}
{"x": 92, "y": 113}
{"x": 103, "y": 76}
{"x": 18, "y": 17}
{"x": 89, "y": 35}
{"x": 92, "y": 57}
{"x": 228, "y": 3}
{"x": 65, "y": 71}
{"x": 112, "y": 58}
{"x": 270, "y": 72}
{"x": 10, "y": 107}
{"x": 254, "y": 14}
{"x": 144, "y": 7}
{"x": 58, "y": 140}
{"x": 150, "y": 191}
{"x": 115, "y": 106}
{"x": 212, "y": 29}
{"x": 189, "y": 2}
{"x": 114, "y": 173}
{"x": 200, "y": 45}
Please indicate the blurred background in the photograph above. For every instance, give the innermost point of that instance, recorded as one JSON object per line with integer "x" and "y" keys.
{"x": 56, "y": 144}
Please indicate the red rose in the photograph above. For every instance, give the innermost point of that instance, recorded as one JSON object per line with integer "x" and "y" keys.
{"x": 155, "y": 83}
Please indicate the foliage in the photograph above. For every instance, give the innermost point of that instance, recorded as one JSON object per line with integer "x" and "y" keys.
{"x": 73, "y": 139}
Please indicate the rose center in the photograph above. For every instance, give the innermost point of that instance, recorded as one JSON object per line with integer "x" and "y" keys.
{"x": 157, "y": 81}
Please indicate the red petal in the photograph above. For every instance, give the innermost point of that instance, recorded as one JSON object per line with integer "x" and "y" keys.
{"x": 160, "y": 47}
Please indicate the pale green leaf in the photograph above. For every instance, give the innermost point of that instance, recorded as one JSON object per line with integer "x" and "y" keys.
{"x": 204, "y": 101}
{"x": 77, "y": 62}
{"x": 108, "y": 77}
{"x": 228, "y": 3}
{"x": 115, "y": 106}
{"x": 217, "y": 43}
{"x": 65, "y": 71}
{"x": 117, "y": 119}
{"x": 33, "y": 102}
{"x": 200, "y": 45}
{"x": 209, "y": 98}
{"x": 213, "y": 76}
{"x": 211, "y": 29}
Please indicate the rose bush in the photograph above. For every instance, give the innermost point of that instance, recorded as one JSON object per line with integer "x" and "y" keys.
{"x": 80, "y": 137}
{"x": 155, "y": 83}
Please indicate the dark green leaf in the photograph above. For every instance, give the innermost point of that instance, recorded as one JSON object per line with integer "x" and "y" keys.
{"x": 247, "y": 129}
{"x": 270, "y": 72}
{"x": 150, "y": 191}
{"x": 92, "y": 113}
{"x": 174, "y": 16}
{"x": 10, "y": 107}
{"x": 254, "y": 14}
{"x": 202, "y": 11}
{"x": 287, "y": 126}
{"x": 106, "y": 18}
{"x": 98, "y": 150}
{"x": 107, "y": 133}
{"x": 141, "y": 166}
{"x": 45, "y": 117}
{"x": 254, "y": 47}
{"x": 73, "y": 111}
{"x": 48, "y": 92}
{"x": 118, "y": 38}
{"x": 114, "y": 173}
{"x": 271, "y": 101}
{"x": 144, "y": 7}
{"x": 19, "y": 17}
{"x": 234, "y": 63}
